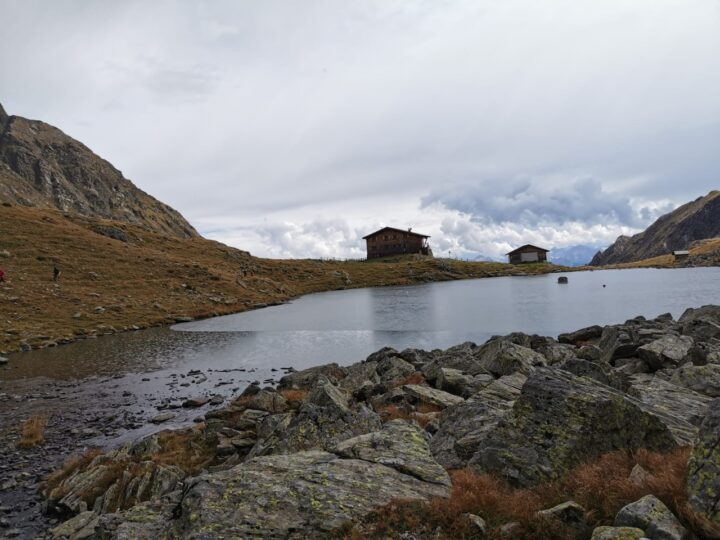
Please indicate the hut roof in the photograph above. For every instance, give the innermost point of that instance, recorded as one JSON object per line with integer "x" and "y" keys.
{"x": 406, "y": 231}
{"x": 521, "y": 248}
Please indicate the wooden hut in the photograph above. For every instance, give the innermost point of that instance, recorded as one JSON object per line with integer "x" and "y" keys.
{"x": 681, "y": 255}
{"x": 527, "y": 254}
{"x": 389, "y": 241}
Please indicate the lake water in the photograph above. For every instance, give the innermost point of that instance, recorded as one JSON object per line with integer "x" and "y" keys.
{"x": 345, "y": 326}
{"x": 138, "y": 373}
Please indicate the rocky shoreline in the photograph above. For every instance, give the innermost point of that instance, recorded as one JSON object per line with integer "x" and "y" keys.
{"x": 319, "y": 454}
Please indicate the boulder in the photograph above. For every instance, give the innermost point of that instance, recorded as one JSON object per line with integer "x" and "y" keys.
{"x": 703, "y": 481}
{"x": 561, "y": 420}
{"x": 668, "y": 351}
{"x": 459, "y": 383}
{"x": 652, "y": 516}
{"x": 680, "y": 409}
{"x": 79, "y": 527}
{"x": 302, "y": 495}
{"x": 556, "y": 353}
{"x": 501, "y": 357}
{"x": 268, "y": 400}
{"x": 569, "y": 512}
{"x": 393, "y": 369}
{"x": 703, "y": 379}
{"x": 399, "y": 445}
{"x": 424, "y": 394}
{"x": 463, "y": 426}
{"x": 324, "y": 420}
{"x": 308, "y": 378}
{"x": 581, "y": 336}
{"x": 701, "y": 323}
{"x": 617, "y": 342}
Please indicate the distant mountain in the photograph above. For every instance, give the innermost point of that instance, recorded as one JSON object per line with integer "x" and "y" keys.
{"x": 486, "y": 258}
{"x": 42, "y": 167}
{"x": 677, "y": 230}
{"x": 579, "y": 255}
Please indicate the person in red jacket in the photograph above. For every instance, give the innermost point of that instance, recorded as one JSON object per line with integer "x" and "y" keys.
{"x": 2, "y": 275}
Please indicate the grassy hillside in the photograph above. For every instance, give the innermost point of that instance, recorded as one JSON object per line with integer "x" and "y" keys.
{"x": 117, "y": 276}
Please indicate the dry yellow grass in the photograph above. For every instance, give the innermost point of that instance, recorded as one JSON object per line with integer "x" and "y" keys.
{"x": 32, "y": 432}
{"x": 108, "y": 285}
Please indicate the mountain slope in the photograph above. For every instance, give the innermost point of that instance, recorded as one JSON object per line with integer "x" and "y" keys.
{"x": 693, "y": 221}
{"x": 42, "y": 167}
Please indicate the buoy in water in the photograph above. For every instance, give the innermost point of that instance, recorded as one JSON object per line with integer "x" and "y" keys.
{"x": 562, "y": 279}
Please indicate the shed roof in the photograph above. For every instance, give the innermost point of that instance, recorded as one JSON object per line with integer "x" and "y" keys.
{"x": 681, "y": 252}
{"x": 407, "y": 231}
{"x": 527, "y": 246}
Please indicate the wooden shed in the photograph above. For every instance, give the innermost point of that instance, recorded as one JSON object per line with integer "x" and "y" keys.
{"x": 389, "y": 241}
{"x": 527, "y": 254}
{"x": 681, "y": 255}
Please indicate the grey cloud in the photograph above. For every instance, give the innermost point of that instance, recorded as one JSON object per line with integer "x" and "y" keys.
{"x": 538, "y": 202}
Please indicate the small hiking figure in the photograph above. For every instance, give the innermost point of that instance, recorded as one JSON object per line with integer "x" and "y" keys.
{"x": 56, "y": 272}
{"x": 2, "y": 275}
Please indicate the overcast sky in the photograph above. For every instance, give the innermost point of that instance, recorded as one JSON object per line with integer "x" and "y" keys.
{"x": 292, "y": 128}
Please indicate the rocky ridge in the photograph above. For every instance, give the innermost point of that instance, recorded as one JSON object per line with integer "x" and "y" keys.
{"x": 331, "y": 444}
{"x": 677, "y": 230}
{"x": 40, "y": 166}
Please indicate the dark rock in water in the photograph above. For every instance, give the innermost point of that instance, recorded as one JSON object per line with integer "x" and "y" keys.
{"x": 163, "y": 417}
{"x": 703, "y": 483}
{"x": 194, "y": 402}
{"x": 560, "y": 420}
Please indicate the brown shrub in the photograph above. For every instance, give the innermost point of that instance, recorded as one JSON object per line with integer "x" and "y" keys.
{"x": 188, "y": 449}
{"x": 392, "y": 412}
{"x": 601, "y": 486}
{"x": 414, "y": 378}
{"x": 32, "y": 432}
{"x": 294, "y": 397}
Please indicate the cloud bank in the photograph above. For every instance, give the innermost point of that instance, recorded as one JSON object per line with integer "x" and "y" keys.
{"x": 293, "y": 128}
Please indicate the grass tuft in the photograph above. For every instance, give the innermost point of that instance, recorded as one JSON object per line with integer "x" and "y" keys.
{"x": 32, "y": 432}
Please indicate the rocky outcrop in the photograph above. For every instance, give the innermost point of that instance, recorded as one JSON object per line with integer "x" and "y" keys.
{"x": 40, "y": 166}
{"x": 703, "y": 483}
{"x": 560, "y": 420}
{"x": 525, "y": 408}
{"x": 302, "y": 495}
{"x": 677, "y": 230}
